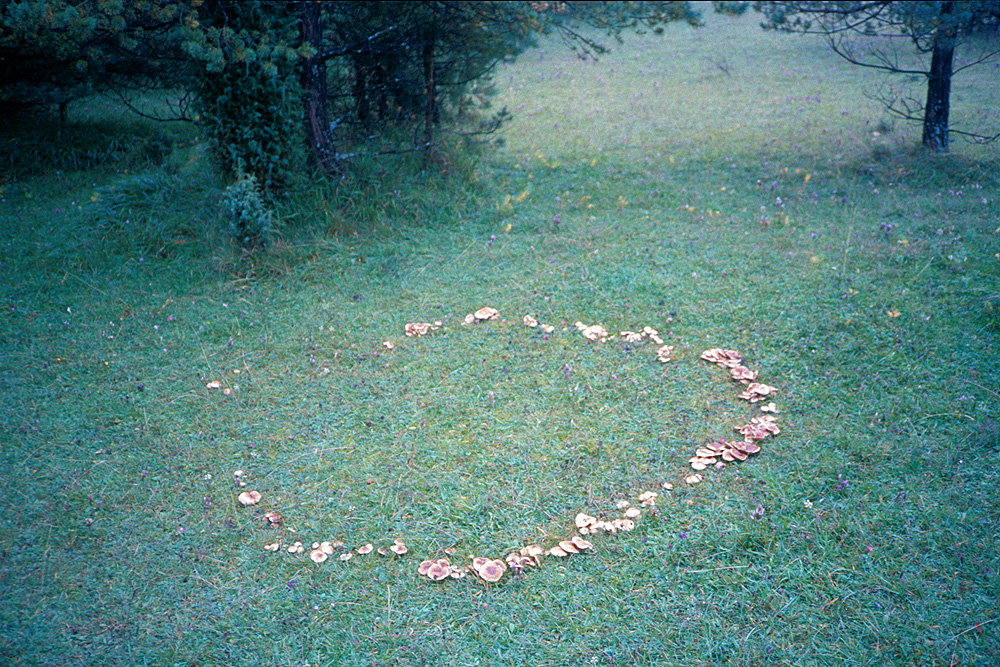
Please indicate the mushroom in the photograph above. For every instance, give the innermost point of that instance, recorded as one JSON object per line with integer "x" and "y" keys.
{"x": 273, "y": 546}
{"x": 479, "y": 563}
{"x": 663, "y": 353}
{"x": 621, "y": 504}
{"x": 624, "y": 525}
{"x": 317, "y": 556}
{"x": 633, "y": 513}
{"x": 346, "y": 556}
{"x": 325, "y": 547}
{"x": 693, "y": 479}
{"x": 727, "y": 358}
{"x": 534, "y": 552}
{"x": 647, "y": 498}
{"x": 272, "y": 518}
{"x": 493, "y": 571}
{"x": 770, "y": 407}
{"x": 569, "y": 547}
{"x": 439, "y": 570}
{"x": 581, "y": 543}
{"x": 424, "y": 567}
{"x": 584, "y": 520}
{"x": 398, "y": 548}
{"x": 743, "y": 374}
{"x": 558, "y": 552}
{"x": 366, "y": 549}
{"x": 487, "y": 313}
{"x": 249, "y": 498}
{"x": 530, "y": 321}
{"x": 214, "y": 384}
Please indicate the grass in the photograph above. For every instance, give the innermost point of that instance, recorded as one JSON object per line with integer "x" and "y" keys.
{"x": 123, "y": 542}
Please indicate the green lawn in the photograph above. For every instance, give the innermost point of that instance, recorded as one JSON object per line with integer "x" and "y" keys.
{"x": 727, "y": 187}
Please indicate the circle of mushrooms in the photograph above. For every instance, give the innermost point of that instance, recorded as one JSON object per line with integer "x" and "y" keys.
{"x": 715, "y": 454}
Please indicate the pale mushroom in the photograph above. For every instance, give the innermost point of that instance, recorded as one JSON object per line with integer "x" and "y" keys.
{"x": 326, "y": 547}
{"x": 693, "y": 479}
{"x": 249, "y": 498}
{"x": 558, "y": 552}
{"x": 487, "y": 313}
{"x": 581, "y": 543}
{"x": 743, "y": 374}
{"x": 633, "y": 513}
{"x": 273, "y": 546}
{"x": 398, "y": 548}
{"x": 479, "y": 563}
{"x": 364, "y": 550}
{"x": 272, "y": 518}
{"x": 346, "y": 556}
{"x": 530, "y": 321}
{"x": 317, "y": 556}
{"x": 424, "y": 567}
{"x": 439, "y": 570}
{"x": 569, "y": 547}
{"x": 492, "y": 571}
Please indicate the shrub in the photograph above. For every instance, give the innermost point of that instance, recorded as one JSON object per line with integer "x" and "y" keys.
{"x": 251, "y": 222}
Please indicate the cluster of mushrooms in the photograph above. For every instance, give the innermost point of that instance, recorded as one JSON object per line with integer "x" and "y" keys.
{"x": 715, "y": 454}
{"x": 718, "y": 453}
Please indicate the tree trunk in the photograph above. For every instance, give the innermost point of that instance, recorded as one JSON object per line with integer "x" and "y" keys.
{"x": 939, "y": 90}
{"x": 321, "y": 147}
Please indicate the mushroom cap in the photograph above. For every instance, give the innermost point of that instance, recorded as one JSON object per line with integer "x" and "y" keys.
{"x": 249, "y": 498}
{"x": 424, "y": 567}
{"x": 398, "y": 548}
{"x": 625, "y": 525}
{"x": 487, "y": 313}
{"x": 317, "y": 556}
{"x": 273, "y": 546}
{"x": 581, "y": 543}
{"x": 693, "y": 479}
{"x": 530, "y": 321}
{"x": 633, "y": 513}
{"x": 479, "y": 562}
{"x": 492, "y": 571}
{"x": 366, "y": 549}
{"x": 325, "y": 547}
{"x": 272, "y": 518}
{"x": 569, "y": 547}
{"x": 346, "y": 556}
{"x": 558, "y": 552}
{"x": 438, "y": 571}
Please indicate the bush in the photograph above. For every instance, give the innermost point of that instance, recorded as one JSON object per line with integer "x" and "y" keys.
{"x": 251, "y": 222}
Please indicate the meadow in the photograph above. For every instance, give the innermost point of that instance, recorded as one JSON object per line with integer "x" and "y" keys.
{"x": 726, "y": 187}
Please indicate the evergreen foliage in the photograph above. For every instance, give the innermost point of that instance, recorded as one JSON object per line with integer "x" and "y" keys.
{"x": 250, "y": 221}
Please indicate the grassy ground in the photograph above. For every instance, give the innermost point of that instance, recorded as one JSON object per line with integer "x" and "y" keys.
{"x": 739, "y": 200}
